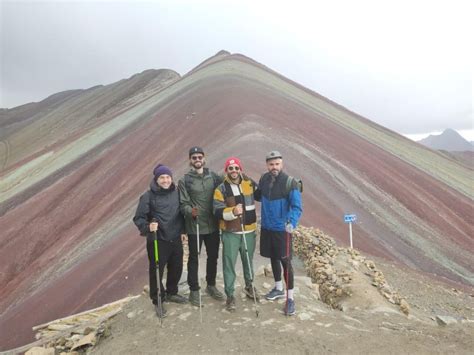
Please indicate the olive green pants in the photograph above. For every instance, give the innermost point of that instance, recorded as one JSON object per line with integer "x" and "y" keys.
{"x": 233, "y": 244}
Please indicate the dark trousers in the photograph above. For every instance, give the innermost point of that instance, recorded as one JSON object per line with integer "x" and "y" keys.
{"x": 170, "y": 255}
{"x": 278, "y": 246}
{"x": 211, "y": 241}
{"x": 287, "y": 271}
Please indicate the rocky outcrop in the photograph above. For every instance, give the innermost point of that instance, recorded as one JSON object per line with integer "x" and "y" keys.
{"x": 75, "y": 333}
{"x": 333, "y": 268}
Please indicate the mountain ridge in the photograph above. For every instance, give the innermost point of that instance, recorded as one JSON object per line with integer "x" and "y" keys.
{"x": 73, "y": 199}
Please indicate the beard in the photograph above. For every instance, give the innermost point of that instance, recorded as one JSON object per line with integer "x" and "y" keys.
{"x": 234, "y": 177}
{"x": 197, "y": 164}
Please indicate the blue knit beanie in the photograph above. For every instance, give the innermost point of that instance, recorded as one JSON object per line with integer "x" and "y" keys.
{"x": 162, "y": 170}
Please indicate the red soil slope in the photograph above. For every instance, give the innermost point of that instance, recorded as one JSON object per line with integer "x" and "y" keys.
{"x": 68, "y": 243}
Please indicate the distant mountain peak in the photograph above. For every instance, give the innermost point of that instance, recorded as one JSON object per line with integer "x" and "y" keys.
{"x": 223, "y": 52}
{"x": 453, "y": 132}
{"x": 450, "y": 140}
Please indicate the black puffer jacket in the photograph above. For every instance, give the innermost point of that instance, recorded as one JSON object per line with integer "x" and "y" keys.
{"x": 163, "y": 205}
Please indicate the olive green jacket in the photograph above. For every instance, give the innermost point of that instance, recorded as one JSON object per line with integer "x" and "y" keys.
{"x": 197, "y": 190}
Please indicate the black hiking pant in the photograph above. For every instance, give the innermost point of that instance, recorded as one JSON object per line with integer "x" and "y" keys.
{"x": 170, "y": 255}
{"x": 211, "y": 241}
{"x": 278, "y": 246}
{"x": 287, "y": 271}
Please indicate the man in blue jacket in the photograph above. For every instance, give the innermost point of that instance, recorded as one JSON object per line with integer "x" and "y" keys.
{"x": 281, "y": 210}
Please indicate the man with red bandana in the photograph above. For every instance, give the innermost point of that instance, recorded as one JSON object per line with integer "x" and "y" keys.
{"x": 234, "y": 206}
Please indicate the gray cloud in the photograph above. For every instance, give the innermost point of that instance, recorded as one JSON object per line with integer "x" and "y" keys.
{"x": 405, "y": 72}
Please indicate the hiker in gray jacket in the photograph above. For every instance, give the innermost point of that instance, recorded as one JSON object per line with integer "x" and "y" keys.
{"x": 196, "y": 190}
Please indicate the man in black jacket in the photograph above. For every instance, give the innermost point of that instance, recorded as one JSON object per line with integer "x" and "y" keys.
{"x": 161, "y": 203}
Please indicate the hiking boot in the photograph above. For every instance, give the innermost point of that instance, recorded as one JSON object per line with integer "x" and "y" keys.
{"x": 249, "y": 291}
{"x": 160, "y": 311}
{"x": 214, "y": 293}
{"x": 274, "y": 294}
{"x": 176, "y": 299}
{"x": 289, "y": 309}
{"x": 230, "y": 304}
{"x": 194, "y": 298}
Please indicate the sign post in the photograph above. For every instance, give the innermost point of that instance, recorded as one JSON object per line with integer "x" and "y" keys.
{"x": 349, "y": 218}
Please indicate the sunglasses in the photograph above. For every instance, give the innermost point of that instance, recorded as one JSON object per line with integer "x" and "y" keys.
{"x": 232, "y": 168}
{"x": 197, "y": 157}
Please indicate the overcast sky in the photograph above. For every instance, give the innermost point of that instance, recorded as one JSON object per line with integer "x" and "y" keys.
{"x": 406, "y": 65}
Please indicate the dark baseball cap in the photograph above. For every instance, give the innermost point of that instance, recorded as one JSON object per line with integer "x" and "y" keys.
{"x": 195, "y": 150}
{"x": 274, "y": 154}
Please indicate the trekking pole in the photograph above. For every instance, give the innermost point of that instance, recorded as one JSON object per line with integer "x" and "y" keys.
{"x": 157, "y": 265}
{"x": 199, "y": 266}
{"x": 288, "y": 235}
{"x": 250, "y": 269}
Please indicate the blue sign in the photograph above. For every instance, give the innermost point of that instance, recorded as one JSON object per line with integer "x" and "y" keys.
{"x": 349, "y": 218}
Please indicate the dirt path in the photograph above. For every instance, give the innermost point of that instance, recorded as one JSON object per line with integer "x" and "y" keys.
{"x": 315, "y": 329}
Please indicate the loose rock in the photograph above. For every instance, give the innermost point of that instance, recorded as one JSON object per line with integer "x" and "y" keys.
{"x": 445, "y": 320}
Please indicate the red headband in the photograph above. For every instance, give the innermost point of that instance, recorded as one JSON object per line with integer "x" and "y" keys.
{"x": 232, "y": 161}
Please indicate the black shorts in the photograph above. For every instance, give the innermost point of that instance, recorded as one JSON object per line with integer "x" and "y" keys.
{"x": 274, "y": 244}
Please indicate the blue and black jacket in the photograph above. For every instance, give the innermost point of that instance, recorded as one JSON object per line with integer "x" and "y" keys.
{"x": 278, "y": 205}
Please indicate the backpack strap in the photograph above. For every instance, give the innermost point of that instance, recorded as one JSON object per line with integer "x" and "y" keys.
{"x": 289, "y": 183}
{"x": 293, "y": 182}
